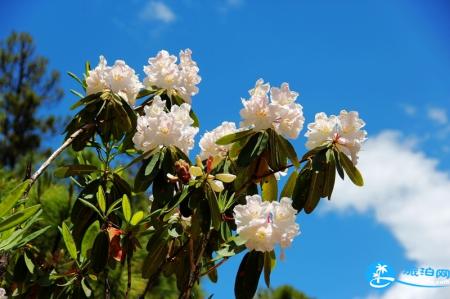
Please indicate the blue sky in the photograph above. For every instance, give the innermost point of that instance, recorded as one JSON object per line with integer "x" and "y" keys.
{"x": 389, "y": 60}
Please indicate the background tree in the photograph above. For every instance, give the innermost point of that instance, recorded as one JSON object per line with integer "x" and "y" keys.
{"x": 25, "y": 85}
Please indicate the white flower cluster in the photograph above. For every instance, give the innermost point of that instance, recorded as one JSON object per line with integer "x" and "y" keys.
{"x": 160, "y": 127}
{"x": 208, "y": 145}
{"x": 164, "y": 72}
{"x": 345, "y": 130}
{"x": 119, "y": 78}
{"x": 280, "y": 112}
{"x": 264, "y": 224}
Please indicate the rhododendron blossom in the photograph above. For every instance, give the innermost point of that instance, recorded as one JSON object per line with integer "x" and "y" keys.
{"x": 158, "y": 127}
{"x": 208, "y": 145}
{"x": 264, "y": 224}
{"x": 344, "y": 130}
{"x": 119, "y": 78}
{"x": 279, "y": 112}
{"x": 164, "y": 72}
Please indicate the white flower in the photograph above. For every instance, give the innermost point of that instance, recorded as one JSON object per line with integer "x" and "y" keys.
{"x": 344, "y": 130}
{"x": 120, "y": 79}
{"x": 283, "y": 95}
{"x": 208, "y": 145}
{"x": 164, "y": 72}
{"x": 158, "y": 127}
{"x": 3, "y": 294}
{"x": 284, "y": 221}
{"x": 264, "y": 224}
{"x": 280, "y": 112}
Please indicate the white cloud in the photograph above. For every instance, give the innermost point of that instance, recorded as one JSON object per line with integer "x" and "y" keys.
{"x": 438, "y": 115}
{"x": 409, "y": 195}
{"x": 157, "y": 11}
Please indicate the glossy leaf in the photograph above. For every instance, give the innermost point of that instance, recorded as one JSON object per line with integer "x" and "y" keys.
{"x": 288, "y": 188}
{"x": 74, "y": 170}
{"x": 269, "y": 186}
{"x": 352, "y": 172}
{"x": 137, "y": 217}
{"x": 126, "y": 208}
{"x": 227, "y": 139}
{"x": 314, "y": 192}
{"x": 89, "y": 238}
{"x": 254, "y": 147}
{"x": 269, "y": 264}
{"x": 289, "y": 150}
{"x": 300, "y": 193}
{"x": 248, "y": 274}
{"x": 100, "y": 252}
{"x": 69, "y": 241}
{"x": 101, "y": 199}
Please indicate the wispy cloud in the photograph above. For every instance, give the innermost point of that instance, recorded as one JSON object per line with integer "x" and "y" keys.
{"x": 157, "y": 11}
{"x": 407, "y": 193}
{"x": 409, "y": 109}
{"x": 438, "y": 115}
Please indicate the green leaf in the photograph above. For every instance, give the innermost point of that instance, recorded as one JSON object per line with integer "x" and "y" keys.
{"x": 73, "y": 170}
{"x": 269, "y": 264}
{"x": 18, "y": 217}
{"x": 88, "y": 204}
{"x": 289, "y": 150}
{"x": 101, "y": 199}
{"x": 254, "y": 147}
{"x": 352, "y": 172}
{"x": 269, "y": 186}
{"x": 113, "y": 206}
{"x": 30, "y": 237}
{"x": 89, "y": 238}
{"x": 248, "y": 274}
{"x": 87, "y": 291}
{"x": 315, "y": 190}
{"x": 100, "y": 252}
{"x": 156, "y": 256}
{"x": 153, "y": 162}
{"x": 137, "y": 217}
{"x": 337, "y": 160}
{"x": 126, "y": 208}
{"x": 311, "y": 153}
{"x": 29, "y": 263}
{"x": 227, "y": 139}
{"x": 69, "y": 241}
{"x": 12, "y": 198}
{"x": 300, "y": 193}
{"x": 214, "y": 210}
{"x": 75, "y": 77}
{"x": 288, "y": 188}
{"x": 330, "y": 175}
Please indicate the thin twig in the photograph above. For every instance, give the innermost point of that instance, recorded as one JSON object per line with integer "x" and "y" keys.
{"x": 56, "y": 153}
{"x": 215, "y": 266}
{"x": 194, "y": 275}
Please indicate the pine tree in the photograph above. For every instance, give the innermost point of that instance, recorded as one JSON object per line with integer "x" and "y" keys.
{"x": 25, "y": 85}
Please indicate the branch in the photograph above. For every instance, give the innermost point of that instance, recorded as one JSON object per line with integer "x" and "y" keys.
{"x": 215, "y": 266}
{"x": 55, "y": 154}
